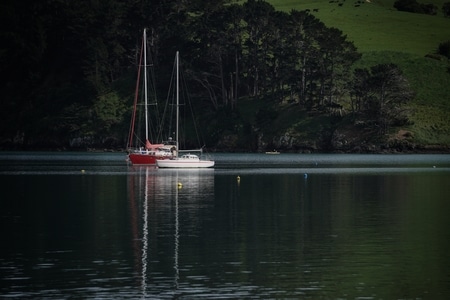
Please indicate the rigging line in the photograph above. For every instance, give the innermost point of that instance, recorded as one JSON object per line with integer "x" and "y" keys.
{"x": 140, "y": 140}
{"x": 169, "y": 108}
{"x": 156, "y": 133}
{"x": 191, "y": 108}
{"x": 136, "y": 96}
{"x": 150, "y": 125}
{"x": 165, "y": 113}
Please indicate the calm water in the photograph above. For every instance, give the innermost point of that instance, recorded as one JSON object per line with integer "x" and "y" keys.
{"x": 87, "y": 225}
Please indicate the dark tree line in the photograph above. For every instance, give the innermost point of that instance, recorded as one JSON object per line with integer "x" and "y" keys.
{"x": 68, "y": 67}
{"x": 253, "y": 50}
{"x": 416, "y": 7}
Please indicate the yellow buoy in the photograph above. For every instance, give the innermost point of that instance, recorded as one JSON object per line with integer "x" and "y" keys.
{"x": 180, "y": 185}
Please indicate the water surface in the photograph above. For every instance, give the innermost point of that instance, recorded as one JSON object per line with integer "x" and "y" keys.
{"x": 81, "y": 225}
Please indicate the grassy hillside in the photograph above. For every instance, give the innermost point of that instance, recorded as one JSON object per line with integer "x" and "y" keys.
{"x": 377, "y": 25}
{"x": 384, "y": 35}
{"x": 431, "y": 81}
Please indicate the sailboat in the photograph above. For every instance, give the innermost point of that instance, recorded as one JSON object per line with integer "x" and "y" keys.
{"x": 187, "y": 160}
{"x": 147, "y": 153}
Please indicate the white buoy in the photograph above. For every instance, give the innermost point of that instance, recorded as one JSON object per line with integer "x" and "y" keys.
{"x": 306, "y": 175}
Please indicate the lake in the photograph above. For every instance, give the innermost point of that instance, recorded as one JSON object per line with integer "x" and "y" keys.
{"x": 257, "y": 226}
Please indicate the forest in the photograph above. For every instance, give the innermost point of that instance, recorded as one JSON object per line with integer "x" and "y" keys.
{"x": 68, "y": 72}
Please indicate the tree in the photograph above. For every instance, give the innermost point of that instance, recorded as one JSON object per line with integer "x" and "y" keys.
{"x": 429, "y": 9}
{"x": 381, "y": 94}
{"x": 408, "y": 5}
{"x": 337, "y": 56}
{"x": 215, "y": 53}
{"x": 444, "y": 49}
{"x": 359, "y": 89}
{"x": 446, "y": 9}
{"x": 303, "y": 30}
{"x": 256, "y": 47}
{"x": 415, "y": 7}
{"x": 109, "y": 110}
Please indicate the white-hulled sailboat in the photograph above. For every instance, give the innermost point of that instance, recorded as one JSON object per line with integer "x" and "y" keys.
{"x": 186, "y": 160}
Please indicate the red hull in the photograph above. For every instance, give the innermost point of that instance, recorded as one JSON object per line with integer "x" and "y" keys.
{"x": 145, "y": 159}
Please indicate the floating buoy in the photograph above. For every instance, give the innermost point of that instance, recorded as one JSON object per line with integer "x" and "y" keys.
{"x": 238, "y": 179}
{"x": 180, "y": 185}
{"x": 83, "y": 171}
{"x": 306, "y": 175}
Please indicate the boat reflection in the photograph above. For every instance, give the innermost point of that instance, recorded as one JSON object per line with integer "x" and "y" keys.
{"x": 160, "y": 201}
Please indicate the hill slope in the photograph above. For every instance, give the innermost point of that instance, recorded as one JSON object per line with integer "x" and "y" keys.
{"x": 377, "y": 25}
{"x": 384, "y": 35}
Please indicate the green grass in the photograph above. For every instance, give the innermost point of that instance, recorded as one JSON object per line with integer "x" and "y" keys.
{"x": 377, "y": 25}
{"x": 428, "y": 77}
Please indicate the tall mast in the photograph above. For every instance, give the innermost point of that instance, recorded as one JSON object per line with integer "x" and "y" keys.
{"x": 178, "y": 101}
{"x": 145, "y": 85}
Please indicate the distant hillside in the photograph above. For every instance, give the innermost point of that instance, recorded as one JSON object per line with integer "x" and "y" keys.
{"x": 384, "y": 35}
{"x": 375, "y": 25}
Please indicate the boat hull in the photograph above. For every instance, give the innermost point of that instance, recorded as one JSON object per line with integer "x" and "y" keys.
{"x": 145, "y": 158}
{"x": 187, "y": 164}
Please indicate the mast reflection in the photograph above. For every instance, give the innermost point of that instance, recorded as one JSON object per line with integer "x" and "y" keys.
{"x": 157, "y": 197}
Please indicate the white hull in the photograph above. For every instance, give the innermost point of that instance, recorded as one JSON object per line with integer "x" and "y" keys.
{"x": 185, "y": 161}
{"x": 180, "y": 163}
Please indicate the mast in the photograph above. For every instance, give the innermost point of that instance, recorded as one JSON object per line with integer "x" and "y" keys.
{"x": 145, "y": 86}
{"x": 178, "y": 101}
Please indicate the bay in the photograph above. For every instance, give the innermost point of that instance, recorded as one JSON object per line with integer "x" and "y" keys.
{"x": 88, "y": 225}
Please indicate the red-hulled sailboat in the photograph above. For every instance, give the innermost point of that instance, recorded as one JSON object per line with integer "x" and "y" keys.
{"x": 146, "y": 153}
